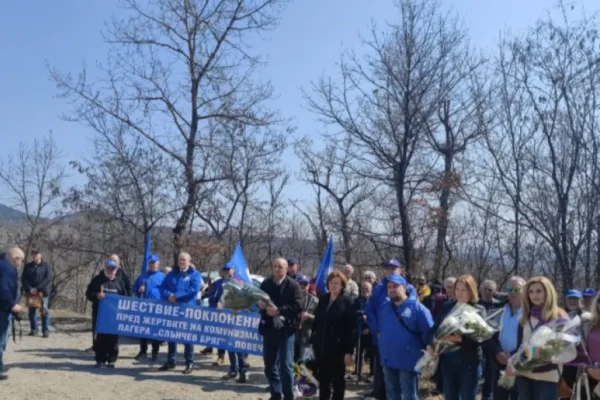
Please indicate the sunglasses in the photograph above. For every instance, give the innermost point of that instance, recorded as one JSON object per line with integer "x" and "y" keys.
{"x": 513, "y": 289}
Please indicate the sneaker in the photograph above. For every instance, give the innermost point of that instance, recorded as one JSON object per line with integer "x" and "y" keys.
{"x": 110, "y": 365}
{"x": 230, "y": 375}
{"x": 154, "y": 356}
{"x": 242, "y": 378}
{"x": 220, "y": 361}
{"x": 188, "y": 369}
{"x": 32, "y": 333}
{"x": 140, "y": 355}
{"x": 167, "y": 367}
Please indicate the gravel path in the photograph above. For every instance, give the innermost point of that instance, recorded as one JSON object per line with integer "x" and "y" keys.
{"x": 59, "y": 368}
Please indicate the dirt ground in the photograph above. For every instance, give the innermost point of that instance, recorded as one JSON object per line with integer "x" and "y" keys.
{"x": 59, "y": 368}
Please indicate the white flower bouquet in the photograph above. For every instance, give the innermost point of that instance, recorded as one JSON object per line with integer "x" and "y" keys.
{"x": 464, "y": 320}
{"x": 553, "y": 343}
{"x": 238, "y": 295}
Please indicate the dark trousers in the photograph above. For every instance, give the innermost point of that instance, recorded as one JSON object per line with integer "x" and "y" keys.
{"x": 331, "y": 376}
{"x": 503, "y": 394}
{"x": 530, "y": 389}
{"x": 144, "y": 346}
{"x": 94, "y": 320}
{"x": 460, "y": 379}
{"x": 365, "y": 351}
{"x": 220, "y": 353}
{"x": 378, "y": 379}
{"x": 106, "y": 348}
{"x": 487, "y": 389}
{"x": 298, "y": 347}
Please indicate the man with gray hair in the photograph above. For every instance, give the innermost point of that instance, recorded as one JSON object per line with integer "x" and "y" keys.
{"x": 9, "y": 297}
{"x": 351, "y": 285}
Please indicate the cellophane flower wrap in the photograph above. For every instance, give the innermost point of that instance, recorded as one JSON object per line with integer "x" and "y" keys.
{"x": 465, "y": 320}
{"x": 305, "y": 383}
{"x": 552, "y": 343}
{"x": 238, "y": 295}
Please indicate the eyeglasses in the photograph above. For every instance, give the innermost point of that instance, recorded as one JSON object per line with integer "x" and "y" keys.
{"x": 513, "y": 289}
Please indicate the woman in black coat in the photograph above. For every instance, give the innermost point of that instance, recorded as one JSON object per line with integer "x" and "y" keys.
{"x": 333, "y": 337}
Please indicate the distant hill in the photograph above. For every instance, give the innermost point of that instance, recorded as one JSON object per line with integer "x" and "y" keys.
{"x": 10, "y": 214}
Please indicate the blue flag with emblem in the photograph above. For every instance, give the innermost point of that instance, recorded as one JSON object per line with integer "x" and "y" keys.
{"x": 146, "y": 253}
{"x": 241, "y": 267}
{"x": 325, "y": 268}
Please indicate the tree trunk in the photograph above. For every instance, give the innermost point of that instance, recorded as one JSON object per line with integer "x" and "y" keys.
{"x": 407, "y": 243}
{"x": 444, "y": 214}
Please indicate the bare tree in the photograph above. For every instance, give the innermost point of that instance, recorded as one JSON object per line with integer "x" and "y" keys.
{"x": 386, "y": 101}
{"x": 331, "y": 170}
{"x": 180, "y": 69}
{"x": 34, "y": 182}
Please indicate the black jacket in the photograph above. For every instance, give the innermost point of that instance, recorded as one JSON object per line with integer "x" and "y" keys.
{"x": 101, "y": 283}
{"x": 288, "y": 298}
{"x": 126, "y": 281}
{"x": 334, "y": 328}
{"x": 37, "y": 276}
{"x": 470, "y": 351}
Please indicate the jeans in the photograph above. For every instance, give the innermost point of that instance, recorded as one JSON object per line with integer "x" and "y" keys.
{"x": 237, "y": 362}
{"x": 400, "y": 384}
{"x": 188, "y": 353}
{"x": 45, "y": 318}
{"x": 278, "y": 357}
{"x": 503, "y": 394}
{"x": 4, "y": 332}
{"x": 536, "y": 390}
{"x": 460, "y": 379}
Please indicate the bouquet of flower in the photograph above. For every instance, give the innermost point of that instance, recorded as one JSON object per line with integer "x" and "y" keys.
{"x": 305, "y": 384}
{"x": 238, "y": 296}
{"x": 465, "y": 320}
{"x": 552, "y": 343}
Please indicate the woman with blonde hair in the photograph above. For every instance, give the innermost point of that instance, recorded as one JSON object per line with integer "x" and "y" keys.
{"x": 540, "y": 306}
{"x": 461, "y": 369}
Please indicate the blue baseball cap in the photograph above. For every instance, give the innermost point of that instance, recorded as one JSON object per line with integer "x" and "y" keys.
{"x": 397, "y": 279}
{"x": 112, "y": 264}
{"x": 153, "y": 258}
{"x": 228, "y": 266}
{"x": 292, "y": 261}
{"x": 392, "y": 264}
{"x": 303, "y": 279}
{"x": 574, "y": 293}
{"x": 589, "y": 292}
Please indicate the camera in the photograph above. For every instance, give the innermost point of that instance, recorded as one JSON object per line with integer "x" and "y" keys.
{"x": 19, "y": 316}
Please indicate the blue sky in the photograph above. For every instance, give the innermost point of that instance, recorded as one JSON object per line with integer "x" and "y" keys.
{"x": 309, "y": 41}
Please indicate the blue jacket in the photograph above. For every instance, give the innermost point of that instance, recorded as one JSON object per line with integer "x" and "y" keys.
{"x": 400, "y": 346}
{"x": 184, "y": 285}
{"x": 151, "y": 281}
{"x": 215, "y": 293}
{"x": 9, "y": 285}
{"x": 377, "y": 299}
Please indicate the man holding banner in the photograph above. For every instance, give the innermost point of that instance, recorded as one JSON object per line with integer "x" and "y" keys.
{"x": 106, "y": 346}
{"x": 278, "y": 328}
{"x": 181, "y": 285}
{"x": 147, "y": 286}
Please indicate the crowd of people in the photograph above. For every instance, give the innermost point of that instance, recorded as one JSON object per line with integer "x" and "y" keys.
{"x": 387, "y": 323}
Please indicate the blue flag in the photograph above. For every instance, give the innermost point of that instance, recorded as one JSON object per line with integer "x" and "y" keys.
{"x": 146, "y": 254}
{"x": 241, "y": 267}
{"x": 325, "y": 268}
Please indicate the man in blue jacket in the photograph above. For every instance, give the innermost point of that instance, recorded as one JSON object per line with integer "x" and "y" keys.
{"x": 181, "y": 285}
{"x": 147, "y": 286}
{"x": 380, "y": 296}
{"x": 404, "y": 328}
{"x": 36, "y": 281}
{"x": 9, "y": 297}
